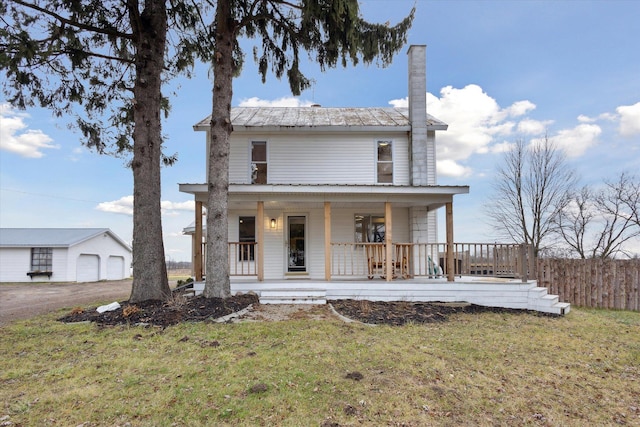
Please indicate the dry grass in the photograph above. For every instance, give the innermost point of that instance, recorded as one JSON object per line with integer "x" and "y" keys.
{"x": 488, "y": 369}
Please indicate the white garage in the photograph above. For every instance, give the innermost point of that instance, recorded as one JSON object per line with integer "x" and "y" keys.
{"x": 62, "y": 255}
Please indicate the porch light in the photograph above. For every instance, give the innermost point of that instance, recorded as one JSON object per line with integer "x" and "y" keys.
{"x": 273, "y": 223}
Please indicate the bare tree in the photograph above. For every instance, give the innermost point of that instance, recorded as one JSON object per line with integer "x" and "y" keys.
{"x": 630, "y": 196}
{"x": 598, "y": 223}
{"x": 574, "y": 221}
{"x": 532, "y": 185}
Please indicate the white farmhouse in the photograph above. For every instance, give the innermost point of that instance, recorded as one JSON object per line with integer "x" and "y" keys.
{"x": 62, "y": 255}
{"x": 339, "y": 203}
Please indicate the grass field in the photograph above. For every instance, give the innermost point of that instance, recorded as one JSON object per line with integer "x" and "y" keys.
{"x": 483, "y": 369}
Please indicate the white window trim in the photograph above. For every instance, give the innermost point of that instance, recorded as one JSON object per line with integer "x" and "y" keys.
{"x": 393, "y": 156}
{"x": 250, "y": 148}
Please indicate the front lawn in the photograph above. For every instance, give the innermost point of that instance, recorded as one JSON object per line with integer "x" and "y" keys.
{"x": 475, "y": 369}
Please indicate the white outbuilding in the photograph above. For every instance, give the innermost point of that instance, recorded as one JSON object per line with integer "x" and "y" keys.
{"x": 62, "y": 255}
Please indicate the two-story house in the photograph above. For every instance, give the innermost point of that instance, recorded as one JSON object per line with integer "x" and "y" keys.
{"x": 330, "y": 194}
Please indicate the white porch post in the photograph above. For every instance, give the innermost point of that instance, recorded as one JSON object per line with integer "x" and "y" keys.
{"x": 197, "y": 244}
{"x": 388, "y": 242}
{"x": 260, "y": 244}
{"x": 450, "y": 261}
{"x": 327, "y": 241}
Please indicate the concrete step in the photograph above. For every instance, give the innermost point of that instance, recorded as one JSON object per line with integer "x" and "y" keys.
{"x": 302, "y": 300}
{"x": 559, "y": 308}
{"x": 293, "y": 296}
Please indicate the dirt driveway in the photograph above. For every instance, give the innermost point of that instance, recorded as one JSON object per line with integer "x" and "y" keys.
{"x": 25, "y": 300}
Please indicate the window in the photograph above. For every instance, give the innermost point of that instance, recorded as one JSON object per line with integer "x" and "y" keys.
{"x": 369, "y": 228}
{"x": 41, "y": 259}
{"x": 385, "y": 162}
{"x": 259, "y": 162}
{"x": 247, "y": 234}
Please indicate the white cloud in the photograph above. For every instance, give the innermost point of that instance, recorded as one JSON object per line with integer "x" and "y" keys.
{"x": 502, "y": 147}
{"x": 629, "y": 119}
{"x": 402, "y": 102}
{"x": 574, "y": 142}
{"x": 452, "y": 169}
{"x": 124, "y": 205}
{"x": 287, "y": 101}
{"x": 474, "y": 120}
{"x": 173, "y": 208}
{"x": 520, "y": 108}
{"x": 604, "y": 116}
{"x": 16, "y": 138}
{"x": 533, "y": 127}
{"x": 586, "y": 119}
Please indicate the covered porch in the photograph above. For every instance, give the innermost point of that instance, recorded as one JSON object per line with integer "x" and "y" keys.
{"x": 333, "y": 259}
{"x": 329, "y": 242}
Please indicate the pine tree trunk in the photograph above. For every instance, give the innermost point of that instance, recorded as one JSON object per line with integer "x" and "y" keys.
{"x": 217, "y": 260}
{"x": 149, "y": 268}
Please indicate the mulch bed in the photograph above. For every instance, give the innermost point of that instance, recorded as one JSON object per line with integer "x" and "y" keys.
{"x": 401, "y": 313}
{"x": 198, "y": 309}
{"x": 158, "y": 313}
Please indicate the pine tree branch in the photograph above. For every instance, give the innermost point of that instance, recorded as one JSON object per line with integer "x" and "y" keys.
{"x": 76, "y": 24}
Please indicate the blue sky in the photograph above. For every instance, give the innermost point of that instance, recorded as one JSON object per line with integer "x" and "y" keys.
{"x": 496, "y": 71}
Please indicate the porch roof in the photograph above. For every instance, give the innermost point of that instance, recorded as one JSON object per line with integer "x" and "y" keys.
{"x": 279, "y": 195}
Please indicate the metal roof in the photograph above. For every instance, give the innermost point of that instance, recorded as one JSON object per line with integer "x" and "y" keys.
{"x": 51, "y": 237}
{"x": 376, "y": 118}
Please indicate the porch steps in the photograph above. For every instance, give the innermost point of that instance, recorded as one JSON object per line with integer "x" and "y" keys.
{"x": 487, "y": 292}
{"x": 293, "y": 296}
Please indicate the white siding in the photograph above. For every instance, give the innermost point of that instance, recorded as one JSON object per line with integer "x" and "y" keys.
{"x": 14, "y": 264}
{"x": 401, "y": 162}
{"x": 319, "y": 159}
{"x": 431, "y": 158}
{"x": 60, "y": 262}
{"x": 274, "y": 246}
{"x": 315, "y": 244}
{"x": 239, "y": 160}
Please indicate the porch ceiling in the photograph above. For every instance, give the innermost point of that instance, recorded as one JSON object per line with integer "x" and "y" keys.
{"x": 243, "y": 196}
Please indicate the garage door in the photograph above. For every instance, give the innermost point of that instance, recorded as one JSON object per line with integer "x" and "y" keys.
{"x": 88, "y": 268}
{"x": 115, "y": 268}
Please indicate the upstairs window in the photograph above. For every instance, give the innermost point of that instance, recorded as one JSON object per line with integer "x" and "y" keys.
{"x": 41, "y": 259}
{"x": 385, "y": 162}
{"x": 259, "y": 162}
{"x": 247, "y": 234}
{"x": 369, "y": 228}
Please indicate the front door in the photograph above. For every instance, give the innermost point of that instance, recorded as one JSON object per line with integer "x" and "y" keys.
{"x": 296, "y": 259}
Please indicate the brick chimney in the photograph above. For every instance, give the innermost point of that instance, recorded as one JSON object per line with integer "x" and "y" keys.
{"x": 424, "y": 223}
{"x": 422, "y": 144}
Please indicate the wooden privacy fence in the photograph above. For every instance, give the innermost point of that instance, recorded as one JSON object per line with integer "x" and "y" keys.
{"x": 595, "y": 283}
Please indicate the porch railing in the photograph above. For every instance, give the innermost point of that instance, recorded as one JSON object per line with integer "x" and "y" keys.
{"x": 242, "y": 258}
{"x": 429, "y": 260}
{"x": 408, "y": 260}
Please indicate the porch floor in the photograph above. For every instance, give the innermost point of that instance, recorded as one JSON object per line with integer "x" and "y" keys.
{"x": 486, "y": 291}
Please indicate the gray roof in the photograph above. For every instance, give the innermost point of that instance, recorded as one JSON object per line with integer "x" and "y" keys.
{"x": 262, "y": 118}
{"x": 51, "y": 237}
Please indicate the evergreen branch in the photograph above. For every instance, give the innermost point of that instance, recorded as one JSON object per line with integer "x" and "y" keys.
{"x": 76, "y": 24}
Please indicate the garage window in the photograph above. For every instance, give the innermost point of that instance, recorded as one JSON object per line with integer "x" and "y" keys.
{"x": 41, "y": 259}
